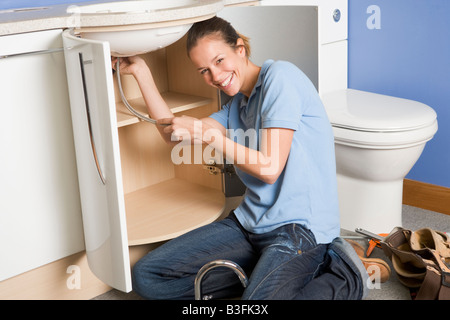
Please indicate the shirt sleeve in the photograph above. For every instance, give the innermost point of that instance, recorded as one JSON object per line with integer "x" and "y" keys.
{"x": 283, "y": 100}
{"x": 222, "y": 115}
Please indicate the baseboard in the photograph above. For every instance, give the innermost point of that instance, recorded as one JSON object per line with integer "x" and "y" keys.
{"x": 426, "y": 196}
{"x": 69, "y": 278}
{"x": 66, "y": 279}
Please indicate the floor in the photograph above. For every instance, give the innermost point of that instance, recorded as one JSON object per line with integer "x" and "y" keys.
{"x": 413, "y": 218}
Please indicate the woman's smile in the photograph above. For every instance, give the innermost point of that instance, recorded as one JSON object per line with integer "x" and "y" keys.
{"x": 225, "y": 84}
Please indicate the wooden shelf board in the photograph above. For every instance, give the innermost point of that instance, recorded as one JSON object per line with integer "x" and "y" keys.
{"x": 177, "y": 102}
{"x": 169, "y": 209}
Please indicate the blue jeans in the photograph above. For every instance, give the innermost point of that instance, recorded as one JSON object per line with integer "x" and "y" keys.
{"x": 283, "y": 264}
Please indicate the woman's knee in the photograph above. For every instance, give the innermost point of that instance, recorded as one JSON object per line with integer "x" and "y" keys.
{"x": 144, "y": 281}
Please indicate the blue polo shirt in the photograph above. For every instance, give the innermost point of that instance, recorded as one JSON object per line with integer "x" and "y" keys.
{"x": 306, "y": 191}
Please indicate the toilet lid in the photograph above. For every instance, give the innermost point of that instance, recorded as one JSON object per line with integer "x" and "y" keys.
{"x": 371, "y": 112}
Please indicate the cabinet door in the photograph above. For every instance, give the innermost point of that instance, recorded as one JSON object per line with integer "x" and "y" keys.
{"x": 93, "y": 111}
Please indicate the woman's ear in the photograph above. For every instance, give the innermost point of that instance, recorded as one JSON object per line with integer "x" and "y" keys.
{"x": 240, "y": 47}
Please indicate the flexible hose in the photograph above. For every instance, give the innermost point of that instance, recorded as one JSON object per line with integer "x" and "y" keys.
{"x": 124, "y": 100}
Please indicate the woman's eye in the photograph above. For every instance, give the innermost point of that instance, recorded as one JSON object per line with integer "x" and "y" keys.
{"x": 203, "y": 71}
{"x": 219, "y": 61}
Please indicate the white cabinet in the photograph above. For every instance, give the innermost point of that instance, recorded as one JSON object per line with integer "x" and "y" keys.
{"x": 131, "y": 191}
{"x": 40, "y": 218}
{"x": 331, "y": 40}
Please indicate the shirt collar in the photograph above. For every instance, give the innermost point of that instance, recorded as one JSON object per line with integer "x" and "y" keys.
{"x": 262, "y": 72}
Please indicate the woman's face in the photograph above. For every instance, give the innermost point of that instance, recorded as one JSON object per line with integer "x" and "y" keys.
{"x": 220, "y": 65}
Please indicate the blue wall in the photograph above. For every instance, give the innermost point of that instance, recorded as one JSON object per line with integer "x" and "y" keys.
{"x": 14, "y": 4}
{"x": 406, "y": 53}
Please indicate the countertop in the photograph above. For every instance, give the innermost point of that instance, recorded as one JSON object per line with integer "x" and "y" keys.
{"x": 56, "y": 16}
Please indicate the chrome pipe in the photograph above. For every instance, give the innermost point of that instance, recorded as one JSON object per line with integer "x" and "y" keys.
{"x": 215, "y": 264}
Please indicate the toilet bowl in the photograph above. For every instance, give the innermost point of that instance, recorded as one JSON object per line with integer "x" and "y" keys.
{"x": 378, "y": 139}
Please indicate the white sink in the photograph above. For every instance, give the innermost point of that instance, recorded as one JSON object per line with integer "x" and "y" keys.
{"x": 132, "y": 42}
{"x": 137, "y": 6}
{"x": 140, "y": 26}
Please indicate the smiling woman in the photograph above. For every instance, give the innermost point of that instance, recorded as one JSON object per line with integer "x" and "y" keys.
{"x": 289, "y": 213}
{"x": 215, "y": 71}
{"x": 224, "y": 70}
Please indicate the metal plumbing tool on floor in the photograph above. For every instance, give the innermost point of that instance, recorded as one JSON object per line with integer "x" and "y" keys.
{"x": 215, "y": 264}
{"x": 374, "y": 239}
{"x": 369, "y": 234}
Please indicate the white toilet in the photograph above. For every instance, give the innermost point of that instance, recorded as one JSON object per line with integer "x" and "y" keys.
{"x": 378, "y": 139}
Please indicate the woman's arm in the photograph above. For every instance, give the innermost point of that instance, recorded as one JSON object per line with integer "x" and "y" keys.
{"x": 156, "y": 106}
{"x": 266, "y": 164}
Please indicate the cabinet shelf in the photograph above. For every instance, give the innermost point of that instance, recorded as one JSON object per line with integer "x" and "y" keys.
{"x": 168, "y": 209}
{"x": 177, "y": 102}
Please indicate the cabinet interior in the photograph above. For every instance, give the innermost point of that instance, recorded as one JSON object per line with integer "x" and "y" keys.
{"x": 163, "y": 200}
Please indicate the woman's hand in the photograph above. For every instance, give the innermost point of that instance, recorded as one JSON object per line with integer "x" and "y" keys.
{"x": 129, "y": 65}
{"x": 266, "y": 164}
{"x": 185, "y": 128}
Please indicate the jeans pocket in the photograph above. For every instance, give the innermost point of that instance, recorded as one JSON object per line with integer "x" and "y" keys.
{"x": 303, "y": 237}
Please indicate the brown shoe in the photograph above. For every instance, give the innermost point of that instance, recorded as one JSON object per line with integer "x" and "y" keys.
{"x": 372, "y": 265}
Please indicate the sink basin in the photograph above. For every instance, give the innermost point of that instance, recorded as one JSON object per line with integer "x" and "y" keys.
{"x": 132, "y": 42}
{"x": 140, "y": 26}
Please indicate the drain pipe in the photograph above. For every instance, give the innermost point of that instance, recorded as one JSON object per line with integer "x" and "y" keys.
{"x": 125, "y": 101}
{"x": 215, "y": 264}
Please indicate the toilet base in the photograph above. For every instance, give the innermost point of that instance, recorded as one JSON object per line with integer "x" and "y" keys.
{"x": 375, "y": 206}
